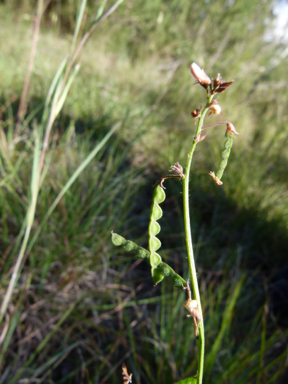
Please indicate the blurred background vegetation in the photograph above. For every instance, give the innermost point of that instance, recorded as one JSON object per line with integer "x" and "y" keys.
{"x": 81, "y": 307}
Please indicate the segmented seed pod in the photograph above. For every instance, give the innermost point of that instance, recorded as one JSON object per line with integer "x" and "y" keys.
{"x": 162, "y": 269}
{"x": 153, "y": 230}
{"x": 167, "y": 271}
{"x": 128, "y": 245}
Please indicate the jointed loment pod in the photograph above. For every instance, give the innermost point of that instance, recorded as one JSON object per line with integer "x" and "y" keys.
{"x": 162, "y": 269}
{"x": 159, "y": 270}
{"x": 153, "y": 230}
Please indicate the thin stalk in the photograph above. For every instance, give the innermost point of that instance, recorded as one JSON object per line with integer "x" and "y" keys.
{"x": 57, "y": 103}
{"x": 87, "y": 34}
{"x": 22, "y": 105}
{"x": 78, "y": 171}
{"x": 30, "y": 220}
{"x": 189, "y": 245}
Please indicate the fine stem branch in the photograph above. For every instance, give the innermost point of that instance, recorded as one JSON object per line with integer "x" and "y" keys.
{"x": 189, "y": 245}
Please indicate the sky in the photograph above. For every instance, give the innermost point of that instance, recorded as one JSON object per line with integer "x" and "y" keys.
{"x": 280, "y": 30}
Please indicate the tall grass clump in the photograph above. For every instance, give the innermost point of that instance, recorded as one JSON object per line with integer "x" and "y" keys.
{"x": 35, "y": 144}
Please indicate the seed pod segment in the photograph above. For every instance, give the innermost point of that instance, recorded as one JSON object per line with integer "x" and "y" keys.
{"x": 153, "y": 230}
{"x": 163, "y": 269}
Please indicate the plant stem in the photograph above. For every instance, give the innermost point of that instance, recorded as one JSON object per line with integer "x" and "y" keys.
{"x": 188, "y": 237}
{"x": 22, "y": 105}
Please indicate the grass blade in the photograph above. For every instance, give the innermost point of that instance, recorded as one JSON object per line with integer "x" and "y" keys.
{"x": 78, "y": 23}
{"x": 78, "y": 171}
{"x": 227, "y": 317}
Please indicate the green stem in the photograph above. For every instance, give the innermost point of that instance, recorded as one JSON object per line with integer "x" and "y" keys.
{"x": 188, "y": 237}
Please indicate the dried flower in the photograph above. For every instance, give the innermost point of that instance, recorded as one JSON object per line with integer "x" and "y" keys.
{"x": 217, "y": 81}
{"x": 224, "y": 86}
{"x": 220, "y": 86}
{"x": 127, "y": 379}
{"x": 200, "y": 75}
{"x": 200, "y": 138}
{"x": 192, "y": 307}
{"x": 231, "y": 130}
{"x": 177, "y": 168}
{"x": 214, "y": 108}
{"x": 196, "y": 114}
{"x": 217, "y": 181}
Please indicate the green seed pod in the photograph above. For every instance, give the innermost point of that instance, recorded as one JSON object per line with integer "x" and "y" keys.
{"x": 162, "y": 270}
{"x": 166, "y": 271}
{"x": 128, "y": 245}
{"x": 153, "y": 230}
{"x": 225, "y": 156}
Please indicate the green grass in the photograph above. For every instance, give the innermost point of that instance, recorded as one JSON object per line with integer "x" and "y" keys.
{"x": 81, "y": 305}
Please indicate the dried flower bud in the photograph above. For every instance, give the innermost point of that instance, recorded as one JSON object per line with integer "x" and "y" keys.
{"x": 217, "y": 80}
{"x": 200, "y": 75}
{"x": 196, "y": 114}
{"x": 192, "y": 307}
{"x": 200, "y": 138}
{"x": 127, "y": 379}
{"x": 197, "y": 314}
{"x": 231, "y": 130}
{"x": 214, "y": 108}
{"x": 217, "y": 181}
{"x": 224, "y": 86}
{"x": 177, "y": 168}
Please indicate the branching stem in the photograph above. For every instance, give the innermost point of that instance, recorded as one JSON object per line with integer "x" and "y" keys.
{"x": 188, "y": 237}
{"x": 212, "y": 125}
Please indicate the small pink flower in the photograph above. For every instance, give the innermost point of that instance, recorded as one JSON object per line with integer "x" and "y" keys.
{"x": 200, "y": 75}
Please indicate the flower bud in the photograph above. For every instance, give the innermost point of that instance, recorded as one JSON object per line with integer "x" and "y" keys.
{"x": 200, "y": 75}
